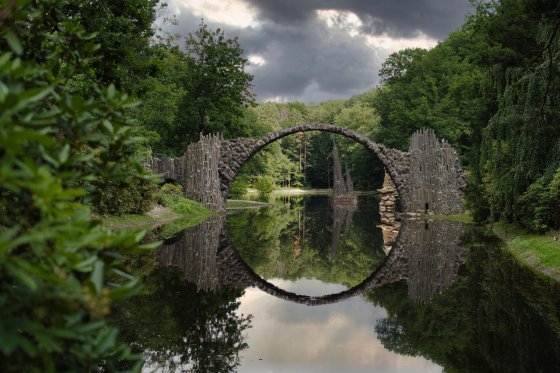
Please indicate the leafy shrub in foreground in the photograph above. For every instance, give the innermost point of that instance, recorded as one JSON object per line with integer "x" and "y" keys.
{"x": 59, "y": 270}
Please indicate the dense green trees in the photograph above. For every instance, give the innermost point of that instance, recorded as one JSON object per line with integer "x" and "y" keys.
{"x": 217, "y": 85}
{"x": 63, "y": 140}
{"x": 492, "y": 89}
{"x": 201, "y": 88}
{"x": 521, "y": 144}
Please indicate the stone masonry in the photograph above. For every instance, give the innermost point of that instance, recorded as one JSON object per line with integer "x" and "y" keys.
{"x": 426, "y": 254}
{"x": 427, "y": 179}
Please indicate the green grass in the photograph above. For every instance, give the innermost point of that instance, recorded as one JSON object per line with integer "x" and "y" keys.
{"x": 184, "y": 213}
{"x": 181, "y": 205}
{"x": 129, "y": 219}
{"x": 540, "y": 251}
{"x": 237, "y": 204}
{"x": 465, "y": 217}
{"x": 170, "y": 229}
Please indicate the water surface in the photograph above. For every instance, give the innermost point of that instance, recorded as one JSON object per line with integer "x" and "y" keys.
{"x": 302, "y": 286}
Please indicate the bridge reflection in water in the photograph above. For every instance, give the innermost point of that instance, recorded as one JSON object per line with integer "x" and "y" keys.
{"x": 426, "y": 254}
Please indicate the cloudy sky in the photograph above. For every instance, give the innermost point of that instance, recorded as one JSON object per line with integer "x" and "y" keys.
{"x": 340, "y": 337}
{"x": 315, "y": 50}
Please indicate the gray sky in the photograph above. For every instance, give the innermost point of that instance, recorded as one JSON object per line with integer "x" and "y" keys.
{"x": 340, "y": 337}
{"x": 311, "y": 50}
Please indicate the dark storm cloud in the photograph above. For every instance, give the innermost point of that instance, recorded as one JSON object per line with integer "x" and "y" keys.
{"x": 296, "y": 58}
{"x": 308, "y": 61}
{"x": 309, "y": 56}
{"x": 435, "y": 18}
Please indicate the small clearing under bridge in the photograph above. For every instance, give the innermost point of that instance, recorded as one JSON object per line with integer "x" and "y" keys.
{"x": 428, "y": 177}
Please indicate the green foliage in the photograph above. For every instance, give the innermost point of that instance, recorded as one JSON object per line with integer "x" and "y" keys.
{"x": 534, "y": 208}
{"x": 438, "y": 89}
{"x": 133, "y": 197}
{"x": 60, "y": 271}
{"x": 217, "y": 84}
{"x": 520, "y": 144}
{"x": 239, "y": 187}
{"x": 397, "y": 64}
{"x": 203, "y": 88}
{"x": 170, "y": 188}
{"x": 538, "y": 208}
{"x": 264, "y": 184}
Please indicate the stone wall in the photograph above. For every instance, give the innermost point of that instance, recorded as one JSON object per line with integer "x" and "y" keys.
{"x": 202, "y": 166}
{"x": 169, "y": 168}
{"x": 437, "y": 183}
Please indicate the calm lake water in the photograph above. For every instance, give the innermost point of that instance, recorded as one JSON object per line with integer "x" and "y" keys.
{"x": 305, "y": 286}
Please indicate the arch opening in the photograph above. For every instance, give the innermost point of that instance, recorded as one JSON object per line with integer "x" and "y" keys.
{"x": 394, "y": 161}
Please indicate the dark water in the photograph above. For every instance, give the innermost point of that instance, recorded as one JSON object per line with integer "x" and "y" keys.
{"x": 304, "y": 286}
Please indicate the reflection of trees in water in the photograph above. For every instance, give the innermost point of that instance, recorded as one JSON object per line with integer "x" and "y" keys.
{"x": 178, "y": 328}
{"x": 298, "y": 241}
{"x": 184, "y": 321}
{"x": 497, "y": 317}
{"x": 426, "y": 254}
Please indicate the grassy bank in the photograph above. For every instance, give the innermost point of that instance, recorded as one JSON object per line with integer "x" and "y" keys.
{"x": 173, "y": 208}
{"x": 540, "y": 251}
{"x": 465, "y": 217}
{"x": 239, "y": 204}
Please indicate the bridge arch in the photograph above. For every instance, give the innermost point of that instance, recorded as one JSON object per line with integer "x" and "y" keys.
{"x": 235, "y": 153}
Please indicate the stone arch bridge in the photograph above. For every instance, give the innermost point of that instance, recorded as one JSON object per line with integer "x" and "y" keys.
{"x": 428, "y": 177}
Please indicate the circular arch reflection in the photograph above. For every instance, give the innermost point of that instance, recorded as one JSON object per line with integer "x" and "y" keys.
{"x": 426, "y": 254}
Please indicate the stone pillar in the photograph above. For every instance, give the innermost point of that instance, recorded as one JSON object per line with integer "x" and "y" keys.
{"x": 201, "y": 166}
{"x": 436, "y": 182}
{"x": 390, "y": 226}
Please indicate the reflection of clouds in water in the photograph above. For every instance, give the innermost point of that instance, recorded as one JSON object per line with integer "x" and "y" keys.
{"x": 291, "y": 337}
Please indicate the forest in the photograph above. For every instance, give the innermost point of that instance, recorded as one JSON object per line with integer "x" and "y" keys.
{"x": 89, "y": 89}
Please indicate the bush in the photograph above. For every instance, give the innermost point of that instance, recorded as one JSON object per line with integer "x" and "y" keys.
{"x": 264, "y": 184}
{"x": 134, "y": 197}
{"x": 533, "y": 209}
{"x": 59, "y": 270}
{"x": 239, "y": 187}
{"x": 538, "y": 208}
{"x": 170, "y": 188}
